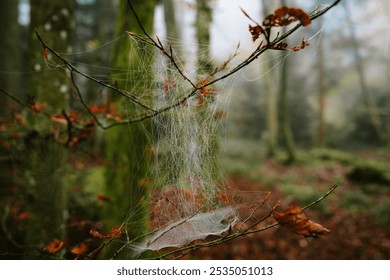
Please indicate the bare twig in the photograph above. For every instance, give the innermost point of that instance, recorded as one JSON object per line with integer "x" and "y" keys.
{"x": 321, "y": 198}
{"x": 254, "y": 210}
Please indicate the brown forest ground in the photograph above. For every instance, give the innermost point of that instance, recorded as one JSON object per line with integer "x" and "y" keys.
{"x": 354, "y": 235}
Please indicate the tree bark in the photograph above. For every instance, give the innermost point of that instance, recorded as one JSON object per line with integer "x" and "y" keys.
{"x": 10, "y": 48}
{"x": 46, "y": 161}
{"x": 366, "y": 93}
{"x": 321, "y": 92}
{"x": 286, "y": 133}
{"x": 128, "y": 148}
{"x": 271, "y": 96}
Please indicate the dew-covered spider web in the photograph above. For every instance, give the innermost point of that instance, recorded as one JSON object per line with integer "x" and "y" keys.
{"x": 188, "y": 200}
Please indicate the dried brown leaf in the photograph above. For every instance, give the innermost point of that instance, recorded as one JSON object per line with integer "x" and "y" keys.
{"x": 295, "y": 220}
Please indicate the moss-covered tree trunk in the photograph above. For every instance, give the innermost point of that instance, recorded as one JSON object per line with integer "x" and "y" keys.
{"x": 204, "y": 17}
{"x": 284, "y": 120}
{"x": 321, "y": 92}
{"x": 271, "y": 94}
{"x": 45, "y": 160}
{"x": 170, "y": 21}
{"x": 10, "y": 54}
{"x": 128, "y": 148}
{"x": 372, "y": 111}
{"x": 203, "y": 21}
{"x": 10, "y": 47}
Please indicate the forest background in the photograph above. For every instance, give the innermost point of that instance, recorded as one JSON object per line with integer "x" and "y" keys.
{"x": 292, "y": 123}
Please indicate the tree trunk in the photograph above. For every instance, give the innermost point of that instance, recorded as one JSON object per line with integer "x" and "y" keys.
{"x": 269, "y": 85}
{"x": 128, "y": 148}
{"x": 286, "y": 133}
{"x": 366, "y": 94}
{"x": 321, "y": 92}
{"x": 203, "y": 21}
{"x": 10, "y": 47}
{"x": 45, "y": 162}
{"x": 205, "y": 65}
{"x": 170, "y": 20}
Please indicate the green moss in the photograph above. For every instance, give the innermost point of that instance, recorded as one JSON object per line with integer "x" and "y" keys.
{"x": 356, "y": 201}
{"x": 369, "y": 172}
{"x": 381, "y": 214}
{"x": 331, "y": 155}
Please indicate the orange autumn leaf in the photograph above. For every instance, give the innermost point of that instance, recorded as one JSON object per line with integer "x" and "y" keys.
{"x": 21, "y": 120}
{"x": 79, "y": 249}
{"x": 283, "y": 16}
{"x": 98, "y": 109}
{"x": 72, "y": 116}
{"x": 103, "y": 198}
{"x": 205, "y": 90}
{"x": 255, "y": 31}
{"x": 23, "y": 216}
{"x": 295, "y": 220}
{"x": 54, "y": 246}
{"x": 45, "y": 54}
{"x": 303, "y": 45}
{"x": 96, "y": 234}
{"x": 37, "y": 107}
{"x": 115, "y": 233}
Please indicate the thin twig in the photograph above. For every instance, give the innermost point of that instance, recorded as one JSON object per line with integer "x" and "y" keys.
{"x": 254, "y": 210}
{"x": 321, "y": 198}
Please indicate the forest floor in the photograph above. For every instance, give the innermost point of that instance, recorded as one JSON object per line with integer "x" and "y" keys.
{"x": 357, "y": 213}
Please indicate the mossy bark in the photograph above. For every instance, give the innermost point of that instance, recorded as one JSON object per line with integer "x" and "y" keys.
{"x": 270, "y": 92}
{"x": 10, "y": 47}
{"x": 284, "y": 119}
{"x": 128, "y": 148}
{"x": 204, "y": 17}
{"x": 45, "y": 161}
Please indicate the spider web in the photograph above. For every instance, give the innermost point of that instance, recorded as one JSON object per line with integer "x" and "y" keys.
{"x": 187, "y": 201}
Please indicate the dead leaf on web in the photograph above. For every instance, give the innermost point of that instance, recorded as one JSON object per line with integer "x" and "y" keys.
{"x": 295, "y": 220}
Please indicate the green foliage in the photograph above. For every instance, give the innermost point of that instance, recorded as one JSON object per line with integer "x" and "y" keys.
{"x": 381, "y": 214}
{"x": 356, "y": 201}
{"x": 332, "y": 155}
{"x": 369, "y": 172}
